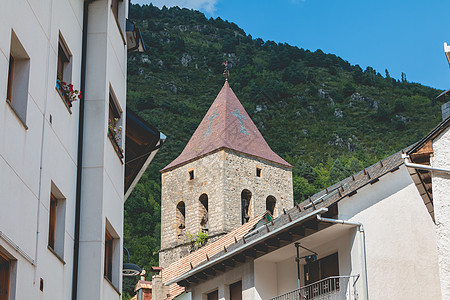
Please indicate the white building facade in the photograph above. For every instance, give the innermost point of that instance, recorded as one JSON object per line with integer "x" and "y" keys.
{"x": 53, "y": 179}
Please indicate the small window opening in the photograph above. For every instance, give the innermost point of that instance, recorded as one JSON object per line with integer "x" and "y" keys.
{"x": 18, "y": 78}
{"x": 191, "y": 175}
{"x": 41, "y": 285}
{"x": 271, "y": 202}
{"x": 64, "y": 74}
{"x": 115, "y": 124}
{"x": 258, "y": 172}
{"x": 181, "y": 219}
{"x": 246, "y": 196}
{"x": 203, "y": 212}
{"x": 56, "y": 222}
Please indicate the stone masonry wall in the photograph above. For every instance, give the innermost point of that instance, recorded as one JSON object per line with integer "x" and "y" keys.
{"x": 176, "y": 187}
{"x": 441, "y": 201}
{"x": 240, "y": 174}
{"x": 222, "y": 176}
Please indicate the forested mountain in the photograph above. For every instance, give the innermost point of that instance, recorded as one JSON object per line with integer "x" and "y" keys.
{"x": 326, "y": 117}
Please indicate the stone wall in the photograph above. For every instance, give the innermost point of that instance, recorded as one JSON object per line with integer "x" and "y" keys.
{"x": 441, "y": 202}
{"x": 222, "y": 176}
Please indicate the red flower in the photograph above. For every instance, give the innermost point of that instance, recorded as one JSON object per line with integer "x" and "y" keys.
{"x": 79, "y": 96}
{"x": 64, "y": 83}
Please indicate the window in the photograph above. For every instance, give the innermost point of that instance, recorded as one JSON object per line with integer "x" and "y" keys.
{"x": 112, "y": 256}
{"x": 213, "y": 295}
{"x": 236, "y": 291}
{"x": 18, "y": 78}
{"x": 191, "y": 174}
{"x": 115, "y": 124}
{"x": 64, "y": 72}
{"x": 258, "y": 172}
{"x": 115, "y": 8}
{"x": 203, "y": 212}
{"x": 322, "y": 268}
{"x": 56, "y": 223}
{"x": 246, "y": 196}
{"x": 181, "y": 219}
{"x": 5, "y": 273}
{"x": 271, "y": 202}
{"x": 108, "y": 255}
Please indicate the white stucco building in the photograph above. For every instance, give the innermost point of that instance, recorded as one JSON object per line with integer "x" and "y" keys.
{"x": 62, "y": 167}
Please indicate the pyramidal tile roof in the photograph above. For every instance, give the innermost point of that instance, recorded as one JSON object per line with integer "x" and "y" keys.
{"x": 226, "y": 125}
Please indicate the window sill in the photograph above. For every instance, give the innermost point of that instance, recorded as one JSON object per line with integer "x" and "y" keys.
{"x": 56, "y": 254}
{"x": 116, "y": 146}
{"x": 63, "y": 100}
{"x": 112, "y": 285}
{"x": 17, "y": 114}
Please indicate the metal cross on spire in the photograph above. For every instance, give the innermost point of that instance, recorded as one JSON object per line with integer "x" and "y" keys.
{"x": 226, "y": 72}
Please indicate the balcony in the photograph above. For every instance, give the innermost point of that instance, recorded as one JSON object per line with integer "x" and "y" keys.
{"x": 331, "y": 288}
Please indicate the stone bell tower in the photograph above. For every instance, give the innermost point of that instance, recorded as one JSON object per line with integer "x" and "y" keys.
{"x": 225, "y": 175}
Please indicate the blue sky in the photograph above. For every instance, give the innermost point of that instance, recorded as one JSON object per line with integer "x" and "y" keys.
{"x": 398, "y": 35}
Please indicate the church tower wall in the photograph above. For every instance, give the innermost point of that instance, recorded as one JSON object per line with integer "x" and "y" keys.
{"x": 208, "y": 173}
{"x": 241, "y": 174}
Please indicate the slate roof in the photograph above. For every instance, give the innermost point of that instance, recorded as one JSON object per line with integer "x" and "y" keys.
{"x": 226, "y": 125}
{"x": 305, "y": 210}
{"x": 183, "y": 265}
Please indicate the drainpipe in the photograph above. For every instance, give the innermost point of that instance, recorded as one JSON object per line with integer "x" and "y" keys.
{"x": 422, "y": 167}
{"x": 80, "y": 152}
{"x": 363, "y": 248}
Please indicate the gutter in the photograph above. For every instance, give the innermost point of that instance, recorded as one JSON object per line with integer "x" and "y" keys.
{"x": 422, "y": 167}
{"x": 247, "y": 245}
{"x": 76, "y": 246}
{"x": 363, "y": 248}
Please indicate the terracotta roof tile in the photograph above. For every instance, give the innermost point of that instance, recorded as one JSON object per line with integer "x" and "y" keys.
{"x": 183, "y": 265}
{"x": 226, "y": 125}
{"x": 143, "y": 284}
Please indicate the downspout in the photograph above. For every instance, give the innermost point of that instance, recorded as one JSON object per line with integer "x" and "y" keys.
{"x": 80, "y": 153}
{"x": 363, "y": 248}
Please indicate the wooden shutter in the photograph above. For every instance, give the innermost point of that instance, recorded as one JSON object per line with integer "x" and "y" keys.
{"x": 108, "y": 255}
{"x": 236, "y": 291}
{"x": 52, "y": 222}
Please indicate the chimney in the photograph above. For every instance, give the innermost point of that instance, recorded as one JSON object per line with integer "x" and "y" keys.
{"x": 143, "y": 288}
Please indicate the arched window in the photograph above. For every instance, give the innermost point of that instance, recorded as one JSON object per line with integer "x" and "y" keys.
{"x": 203, "y": 211}
{"x": 181, "y": 219}
{"x": 246, "y": 197}
{"x": 271, "y": 202}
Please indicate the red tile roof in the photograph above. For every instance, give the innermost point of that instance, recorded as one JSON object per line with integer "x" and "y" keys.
{"x": 183, "y": 265}
{"x": 226, "y": 125}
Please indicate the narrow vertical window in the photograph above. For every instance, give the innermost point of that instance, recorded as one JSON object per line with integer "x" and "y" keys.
{"x": 64, "y": 74}
{"x": 5, "y": 273}
{"x": 18, "y": 78}
{"x": 258, "y": 172}
{"x": 56, "y": 222}
{"x": 246, "y": 197}
{"x": 115, "y": 124}
{"x": 108, "y": 255}
{"x": 191, "y": 174}
{"x": 180, "y": 220}
{"x": 271, "y": 202}
{"x": 203, "y": 212}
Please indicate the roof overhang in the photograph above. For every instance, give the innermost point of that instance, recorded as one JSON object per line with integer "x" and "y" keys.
{"x": 142, "y": 143}
{"x": 135, "y": 43}
{"x": 264, "y": 240}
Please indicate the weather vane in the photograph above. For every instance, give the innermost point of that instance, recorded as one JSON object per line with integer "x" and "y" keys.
{"x": 226, "y": 72}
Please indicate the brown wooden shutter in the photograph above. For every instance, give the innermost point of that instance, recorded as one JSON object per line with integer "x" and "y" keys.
{"x": 52, "y": 222}
{"x": 108, "y": 255}
{"x": 4, "y": 277}
{"x": 236, "y": 291}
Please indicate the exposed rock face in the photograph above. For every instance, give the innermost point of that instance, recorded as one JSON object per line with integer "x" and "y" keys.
{"x": 338, "y": 113}
{"x": 349, "y": 143}
{"x": 186, "y": 59}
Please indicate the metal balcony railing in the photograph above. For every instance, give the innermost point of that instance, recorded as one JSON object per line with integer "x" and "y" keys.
{"x": 331, "y": 288}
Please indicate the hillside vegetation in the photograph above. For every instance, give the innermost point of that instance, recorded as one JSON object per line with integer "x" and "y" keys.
{"x": 326, "y": 117}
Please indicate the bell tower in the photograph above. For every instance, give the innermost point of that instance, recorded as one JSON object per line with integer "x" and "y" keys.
{"x": 226, "y": 175}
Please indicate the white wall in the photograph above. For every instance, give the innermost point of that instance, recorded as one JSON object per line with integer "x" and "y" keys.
{"x": 441, "y": 202}
{"x": 400, "y": 238}
{"x": 44, "y": 149}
